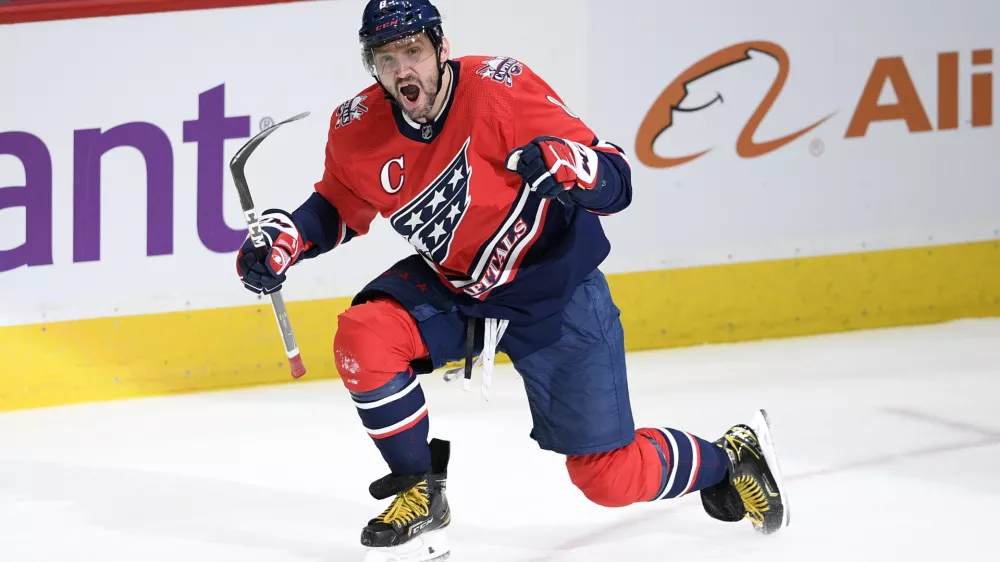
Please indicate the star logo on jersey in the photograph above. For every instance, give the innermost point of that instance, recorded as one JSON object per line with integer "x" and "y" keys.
{"x": 428, "y": 222}
{"x": 501, "y": 69}
{"x": 350, "y": 112}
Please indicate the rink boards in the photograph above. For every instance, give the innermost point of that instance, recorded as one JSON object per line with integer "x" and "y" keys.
{"x": 154, "y": 354}
{"x": 794, "y": 175}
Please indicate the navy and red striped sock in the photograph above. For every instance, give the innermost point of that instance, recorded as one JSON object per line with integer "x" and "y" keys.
{"x": 661, "y": 463}
{"x": 395, "y": 416}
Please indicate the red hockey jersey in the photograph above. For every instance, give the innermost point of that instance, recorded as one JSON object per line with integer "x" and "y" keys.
{"x": 444, "y": 188}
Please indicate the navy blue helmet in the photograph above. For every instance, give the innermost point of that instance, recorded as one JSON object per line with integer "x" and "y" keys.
{"x": 385, "y": 21}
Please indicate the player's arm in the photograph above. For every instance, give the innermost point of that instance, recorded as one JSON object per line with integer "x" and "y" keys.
{"x": 321, "y": 222}
{"x": 557, "y": 153}
{"x": 332, "y": 215}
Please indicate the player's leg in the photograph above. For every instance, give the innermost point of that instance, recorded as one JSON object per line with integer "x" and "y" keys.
{"x": 400, "y": 326}
{"x": 578, "y": 393}
{"x": 375, "y": 347}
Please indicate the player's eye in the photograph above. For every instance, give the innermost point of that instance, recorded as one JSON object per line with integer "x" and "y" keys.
{"x": 414, "y": 51}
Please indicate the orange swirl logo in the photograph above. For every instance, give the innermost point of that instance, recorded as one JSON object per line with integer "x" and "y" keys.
{"x": 661, "y": 115}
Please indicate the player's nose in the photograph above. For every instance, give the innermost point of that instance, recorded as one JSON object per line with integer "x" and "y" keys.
{"x": 405, "y": 72}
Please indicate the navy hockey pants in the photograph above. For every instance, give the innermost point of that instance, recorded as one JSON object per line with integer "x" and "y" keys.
{"x": 573, "y": 366}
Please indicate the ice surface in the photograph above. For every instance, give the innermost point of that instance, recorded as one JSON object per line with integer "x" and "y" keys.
{"x": 890, "y": 444}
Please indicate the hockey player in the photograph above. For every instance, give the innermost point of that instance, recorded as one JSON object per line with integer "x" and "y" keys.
{"x": 499, "y": 187}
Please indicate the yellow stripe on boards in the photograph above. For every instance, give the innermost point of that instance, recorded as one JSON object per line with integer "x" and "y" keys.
{"x": 808, "y": 296}
{"x": 148, "y": 355}
{"x": 156, "y": 354}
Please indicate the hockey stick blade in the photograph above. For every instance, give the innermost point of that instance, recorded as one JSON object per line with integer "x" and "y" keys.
{"x": 239, "y": 161}
{"x": 237, "y": 168}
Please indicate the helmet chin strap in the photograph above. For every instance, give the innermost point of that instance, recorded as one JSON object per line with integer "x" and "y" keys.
{"x": 441, "y": 71}
{"x": 437, "y": 53}
{"x": 440, "y": 81}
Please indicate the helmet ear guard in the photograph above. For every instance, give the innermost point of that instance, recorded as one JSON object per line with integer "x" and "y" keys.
{"x": 436, "y": 36}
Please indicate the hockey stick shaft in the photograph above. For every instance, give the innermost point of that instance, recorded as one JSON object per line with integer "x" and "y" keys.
{"x": 237, "y": 167}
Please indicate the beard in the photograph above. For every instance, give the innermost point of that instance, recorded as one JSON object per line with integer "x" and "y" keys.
{"x": 416, "y": 96}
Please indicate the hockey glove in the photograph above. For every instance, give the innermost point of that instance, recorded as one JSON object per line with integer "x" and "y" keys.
{"x": 551, "y": 166}
{"x": 284, "y": 247}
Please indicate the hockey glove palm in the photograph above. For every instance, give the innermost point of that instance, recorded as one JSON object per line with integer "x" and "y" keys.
{"x": 284, "y": 245}
{"x": 551, "y": 166}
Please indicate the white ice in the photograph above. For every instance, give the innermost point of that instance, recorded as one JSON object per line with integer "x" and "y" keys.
{"x": 890, "y": 442}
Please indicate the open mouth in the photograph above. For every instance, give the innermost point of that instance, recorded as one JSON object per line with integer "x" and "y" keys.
{"x": 411, "y": 92}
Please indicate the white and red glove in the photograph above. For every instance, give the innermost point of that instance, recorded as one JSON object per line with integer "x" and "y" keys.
{"x": 284, "y": 247}
{"x": 551, "y": 166}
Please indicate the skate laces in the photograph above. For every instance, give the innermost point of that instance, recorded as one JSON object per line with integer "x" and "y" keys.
{"x": 740, "y": 439}
{"x": 407, "y": 506}
{"x": 754, "y": 500}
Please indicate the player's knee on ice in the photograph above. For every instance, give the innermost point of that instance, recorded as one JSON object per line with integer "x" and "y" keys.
{"x": 619, "y": 477}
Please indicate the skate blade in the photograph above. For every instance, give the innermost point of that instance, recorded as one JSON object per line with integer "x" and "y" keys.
{"x": 431, "y": 547}
{"x": 761, "y": 425}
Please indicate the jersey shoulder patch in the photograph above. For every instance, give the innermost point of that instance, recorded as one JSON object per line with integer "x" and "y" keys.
{"x": 353, "y": 121}
{"x": 350, "y": 111}
{"x": 498, "y": 70}
{"x": 364, "y": 107}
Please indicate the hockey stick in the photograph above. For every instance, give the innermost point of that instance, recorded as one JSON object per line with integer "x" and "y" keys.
{"x": 236, "y": 167}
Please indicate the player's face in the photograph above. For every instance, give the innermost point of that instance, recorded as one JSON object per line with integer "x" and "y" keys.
{"x": 409, "y": 69}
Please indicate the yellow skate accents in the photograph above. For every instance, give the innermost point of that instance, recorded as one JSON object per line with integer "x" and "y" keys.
{"x": 407, "y": 506}
{"x": 741, "y": 437}
{"x": 754, "y": 500}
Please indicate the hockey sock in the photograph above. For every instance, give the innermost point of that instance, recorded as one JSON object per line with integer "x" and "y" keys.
{"x": 658, "y": 464}
{"x": 395, "y": 416}
{"x": 687, "y": 463}
{"x": 375, "y": 343}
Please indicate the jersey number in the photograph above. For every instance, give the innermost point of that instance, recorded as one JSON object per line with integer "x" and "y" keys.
{"x": 564, "y": 108}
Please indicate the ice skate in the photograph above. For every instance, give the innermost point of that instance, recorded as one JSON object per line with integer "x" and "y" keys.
{"x": 753, "y": 487}
{"x": 412, "y": 528}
